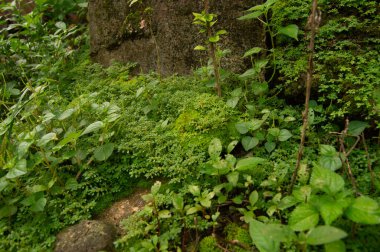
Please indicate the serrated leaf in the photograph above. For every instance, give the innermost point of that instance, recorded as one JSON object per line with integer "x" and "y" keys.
{"x": 18, "y": 170}
{"x": 103, "y": 152}
{"x": 249, "y": 142}
{"x": 355, "y": 128}
{"x": 254, "y": 50}
{"x": 274, "y": 132}
{"x": 324, "y": 234}
{"x": 46, "y": 139}
{"x": 364, "y": 210}
{"x": 330, "y": 209}
{"x": 249, "y": 164}
{"x": 255, "y": 124}
{"x": 290, "y": 31}
{"x": 261, "y": 241}
{"x": 326, "y": 180}
{"x": 287, "y": 202}
{"x": 93, "y": 127}
{"x": 303, "y": 217}
{"x": 284, "y": 135}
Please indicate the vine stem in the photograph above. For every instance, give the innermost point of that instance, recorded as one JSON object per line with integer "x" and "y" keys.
{"x": 369, "y": 164}
{"x": 314, "y": 24}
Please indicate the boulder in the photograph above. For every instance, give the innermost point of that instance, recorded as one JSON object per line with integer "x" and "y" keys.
{"x": 87, "y": 236}
{"x": 159, "y": 34}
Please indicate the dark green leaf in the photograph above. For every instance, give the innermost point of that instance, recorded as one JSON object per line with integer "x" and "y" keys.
{"x": 290, "y": 31}
{"x": 261, "y": 240}
{"x": 103, "y": 152}
{"x": 249, "y": 163}
{"x": 270, "y": 146}
{"x": 326, "y": 180}
{"x": 249, "y": 142}
{"x": 355, "y": 128}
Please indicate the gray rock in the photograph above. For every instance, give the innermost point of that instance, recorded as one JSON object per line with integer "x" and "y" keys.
{"x": 87, "y": 236}
{"x": 159, "y": 34}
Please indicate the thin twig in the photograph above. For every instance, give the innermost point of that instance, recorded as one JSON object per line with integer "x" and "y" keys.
{"x": 369, "y": 164}
{"x": 309, "y": 79}
{"x": 343, "y": 150}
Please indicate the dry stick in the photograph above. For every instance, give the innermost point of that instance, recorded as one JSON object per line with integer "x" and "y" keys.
{"x": 343, "y": 150}
{"x": 369, "y": 164}
{"x": 212, "y": 53}
{"x": 314, "y": 23}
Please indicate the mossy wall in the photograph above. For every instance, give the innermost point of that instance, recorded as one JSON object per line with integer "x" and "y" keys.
{"x": 159, "y": 34}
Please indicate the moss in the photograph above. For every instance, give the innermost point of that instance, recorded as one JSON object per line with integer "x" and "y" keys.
{"x": 208, "y": 244}
{"x": 235, "y": 232}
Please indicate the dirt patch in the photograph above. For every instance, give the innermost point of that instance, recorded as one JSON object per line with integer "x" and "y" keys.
{"x": 122, "y": 209}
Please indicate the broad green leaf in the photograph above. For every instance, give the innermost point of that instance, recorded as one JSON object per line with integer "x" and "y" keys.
{"x": 156, "y": 187}
{"x": 290, "y": 31}
{"x": 329, "y": 208}
{"x": 364, "y": 210}
{"x": 60, "y": 25}
{"x": 260, "y": 88}
{"x": 249, "y": 142}
{"x": 324, "y": 234}
{"x": 238, "y": 199}
{"x": 270, "y": 146}
{"x": 214, "y": 39}
{"x": 3, "y": 183}
{"x": 231, "y": 146}
{"x": 303, "y": 217}
{"x": 284, "y": 135}
{"x": 255, "y": 124}
{"x": 336, "y": 246}
{"x": 355, "y": 128}
{"x": 66, "y": 114}
{"x": 253, "y": 198}
{"x": 248, "y": 164}
{"x": 193, "y": 210}
{"x": 260, "y": 64}
{"x": 287, "y": 202}
{"x": 71, "y": 184}
{"x": 327, "y": 150}
{"x": 262, "y": 242}
{"x": 164, "y": 214}
{"x": 71, "y": 137}
{"x": 93, "y": 127}
{"x": 252, "y": 15}
{"x": 38, "y": 205}
{"x": 18, "y": 170}
{"x": 232, "y": 102}
{"x": 206, "y": 202}
{"x": 178, "y": 202}
{"x": 250, "y": 73}
{"x": 215, "y": 148}
{"x": 7, "y": 211}
{"x": 200, "y": 48}
{"x": 194, "y": 190}
{"x": 274, "y": 132}
{"x": 22, "y": 149}
{"x": 233, "y": 178}
{"x": 46, "y": 139}
{"x": 103, "y": 152}
{"x": 302, "y": 194}
{"x": 254, "y": 50}
{"x": 332, "y": 163}
{"x": 38, "y": 188}
{"x": 326, "y": 180}
{"x": 242, "y": 127}
{"x": 221, "y": 32}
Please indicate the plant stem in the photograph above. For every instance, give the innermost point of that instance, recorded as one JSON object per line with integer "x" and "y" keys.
{"x": 212, "y": 53}
{"x": 369, "y": 164}
{"x": 309, "y": 79}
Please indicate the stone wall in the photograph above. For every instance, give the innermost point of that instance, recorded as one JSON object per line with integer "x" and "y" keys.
{"x": 159, "y": 34}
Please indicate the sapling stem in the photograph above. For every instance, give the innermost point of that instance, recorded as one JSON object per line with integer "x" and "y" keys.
{"x": 309, "y": 79}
